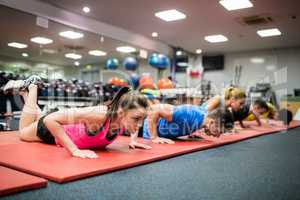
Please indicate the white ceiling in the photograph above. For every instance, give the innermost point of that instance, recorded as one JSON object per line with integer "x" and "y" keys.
{"x": 204, "y": 17}
{"x": 17, "y": 26}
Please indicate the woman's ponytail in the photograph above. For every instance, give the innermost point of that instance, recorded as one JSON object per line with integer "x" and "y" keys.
{"x": 114, "y": 104}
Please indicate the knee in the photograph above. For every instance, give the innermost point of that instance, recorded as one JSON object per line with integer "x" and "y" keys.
{"x": 23, "y": 135}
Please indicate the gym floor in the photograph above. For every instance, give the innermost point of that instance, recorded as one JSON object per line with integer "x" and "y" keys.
{"x": 265, "y": 167}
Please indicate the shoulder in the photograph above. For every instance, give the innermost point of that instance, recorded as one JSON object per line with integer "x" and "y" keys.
{"x": 161, "y": 106}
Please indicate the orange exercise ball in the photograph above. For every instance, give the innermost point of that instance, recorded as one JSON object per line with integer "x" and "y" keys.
{"x": 122, "y": 83}
{"x": 114, "y": 80}
{"x": 117, "y": 81}
{"x": 146, "y": 82}
{"x": 165, "y": 83}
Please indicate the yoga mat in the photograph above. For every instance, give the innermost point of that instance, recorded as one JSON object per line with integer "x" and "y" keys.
{"x": 56, "y": 164}
{"x": 13, "y": 181}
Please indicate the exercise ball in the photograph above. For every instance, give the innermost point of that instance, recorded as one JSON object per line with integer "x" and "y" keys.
{"x": 122, "y": 83}
{"x": 146, "y": 82}
{"x": 130, "y": 63}
{"x": 164, "y": 83}
{"x": 117, "y": 81}
{"x": 112, "y": 63}
{"x": 113, "y": 81}
{"x": 134, "y": 80}
{"x": 159, "y": 61}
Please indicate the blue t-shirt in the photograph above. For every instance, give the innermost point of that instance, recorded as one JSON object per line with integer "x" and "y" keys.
{"x": 186, "y": 119}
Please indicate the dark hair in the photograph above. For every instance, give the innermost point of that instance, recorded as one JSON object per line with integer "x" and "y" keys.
{"x": 227, "y": 120}
{"x": 125, "y": 99}
{"x": 286, "y": 116}
{"x": 261, "y": 104}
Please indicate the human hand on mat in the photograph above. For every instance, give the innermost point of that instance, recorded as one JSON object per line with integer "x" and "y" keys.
{"x": 134, "y": 145}
{"x": 84, "y": 154}
{"x": 159, "y": 140}
{"x": 245, "y": 126}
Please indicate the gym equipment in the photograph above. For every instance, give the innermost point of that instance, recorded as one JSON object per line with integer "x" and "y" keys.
{"x": 130, "y": 63}
{"x": 237, "y": 75}
{"x": 30, "y": 157}
{"x": 10, "y": 138}
{"x": 134, "y": 80}
{"x": 146, "y": 82}
{"x": 159, "y": 61}
{"x": 117, "y": 81}
{"x": 165, "y": 83}
{"x": 112, "y": 63}
{"x": 195, "y": 73}
{"x": 13, "y": 181}
{"x": 263, "y": 91}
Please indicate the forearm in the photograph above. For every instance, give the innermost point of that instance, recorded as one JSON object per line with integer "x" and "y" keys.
{"x": 242, "y": 124}
{"x": 257, "y": 119}
{"x": 133, "y": 137}
{"x": 58, "y": 132}
{"x": 152, "y": 126}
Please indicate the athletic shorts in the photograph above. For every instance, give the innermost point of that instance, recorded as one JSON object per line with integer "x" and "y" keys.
{"x": 42, "y": 131}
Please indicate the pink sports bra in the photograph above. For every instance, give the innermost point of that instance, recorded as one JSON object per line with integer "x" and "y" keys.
{"x": 79, "y": 135}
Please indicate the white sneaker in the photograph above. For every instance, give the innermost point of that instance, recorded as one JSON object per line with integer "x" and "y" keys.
{"x": 13, "y": 84}
{"x": 33, "y": 79}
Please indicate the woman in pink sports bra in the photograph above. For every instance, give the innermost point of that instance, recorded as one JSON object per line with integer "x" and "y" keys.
{"x": 81, "y": 129}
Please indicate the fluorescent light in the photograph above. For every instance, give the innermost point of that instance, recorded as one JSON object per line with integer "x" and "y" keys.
{"x": 73, "y": 56}
{"x": 49, "y": 51}
{"x": 236, "y": 4}
{"x": 71, "y": 34}
{"x": 25, "y": 54}
{"x": 178, "y": 53}
{"x": 216, "y": 38}
{"x": 269, "y": 32}
{"x": 17, "y": 45}
{"x": 257, "y": 60}
{"x": 86, "y": 9}
{"x": 154, "y": 34}
{"x": 77, "y": 63}
{"x": 182, "y": 64}
{"x": 170, "y": 15}
{"x": 198, "y": 51}
{"x": 41, "y": 40}
{"x": 126, "y": 49}
{"x": 97, "y": 53}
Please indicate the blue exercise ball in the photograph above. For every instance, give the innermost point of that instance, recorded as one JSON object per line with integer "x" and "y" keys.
{"x": 134, "y": 80}
{"x": 159, "y": 61}
{"x": 130, "y": 63}
{"x": 112, "y": 63}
